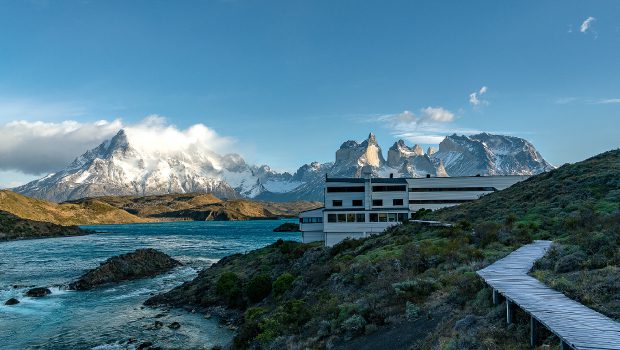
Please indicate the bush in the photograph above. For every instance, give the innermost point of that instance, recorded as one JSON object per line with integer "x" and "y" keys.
{"x": 229, "y": 288}
{"x": 412, "y": 311}
{"x": 283, "y": 283}
{"x": 419, "y": 287}
{"x": 354, "y": 325}
{"x": 258, "y": 288}
{"x": 570, "y": 262}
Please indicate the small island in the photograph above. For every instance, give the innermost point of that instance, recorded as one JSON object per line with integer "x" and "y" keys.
{"x": 287, "y": 227}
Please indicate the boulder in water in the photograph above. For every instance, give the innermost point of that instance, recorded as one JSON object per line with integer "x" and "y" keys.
{"x": 38, "y": 292}
{"x": 11, "y": 301}
{"x": 138, "y": 264}
{"x": 174, "y": 325}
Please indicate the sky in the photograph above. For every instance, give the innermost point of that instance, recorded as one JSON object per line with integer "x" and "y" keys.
{"x": 286, "y": 82}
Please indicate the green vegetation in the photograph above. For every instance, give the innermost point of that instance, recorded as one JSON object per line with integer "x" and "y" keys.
{"x": 419, "y": 282}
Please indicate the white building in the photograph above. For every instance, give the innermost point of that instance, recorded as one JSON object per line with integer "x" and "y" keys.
{"x": 359, "y": 207}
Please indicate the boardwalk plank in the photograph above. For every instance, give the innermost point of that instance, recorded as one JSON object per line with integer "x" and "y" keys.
{"x": 579, "y": 326}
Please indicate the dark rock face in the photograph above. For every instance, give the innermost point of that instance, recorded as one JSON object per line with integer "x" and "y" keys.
{"x": 38, "y": 292}
{"x": 287, "y": 227}
{"x": 138, "y": 264}
{"x": 12, "y": 301}
{"x": 174, "y": 325}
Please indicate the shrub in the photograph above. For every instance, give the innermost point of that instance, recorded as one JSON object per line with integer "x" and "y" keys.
{"x": 570, "y": 262}
{"x": 354, "y": 325}
{"x": 419, "y": 287}
{"x": 258, "y": 288}
{"x": 283, "y": 283}
{"x": 229, "y": 288}
{"x": 412, "y": 311}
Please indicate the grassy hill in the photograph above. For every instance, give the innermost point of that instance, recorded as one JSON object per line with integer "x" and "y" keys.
{"x": 13, "y": 227}
{"x": 89, "y": 211}
{"x": 201, "y": 206}
{"x": 416, "y": 287}
{"x": 131, "y": 209}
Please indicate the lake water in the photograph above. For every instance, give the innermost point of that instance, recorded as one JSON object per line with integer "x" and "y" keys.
{"x": 105, "y": 318}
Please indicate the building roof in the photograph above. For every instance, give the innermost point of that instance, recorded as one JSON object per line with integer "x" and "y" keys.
{"x": 386, "y": 180}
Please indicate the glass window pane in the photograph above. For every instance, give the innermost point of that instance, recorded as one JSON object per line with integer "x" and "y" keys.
{"x": 391, "y": 217}
{"x": 374, "y": 217}
{"x": 350, "y": 217}
{"x": 342, "y": 217}
{"x": 382, "y": 217}
{"x": 360, "y": 217}
{"x": 331, "y": 217}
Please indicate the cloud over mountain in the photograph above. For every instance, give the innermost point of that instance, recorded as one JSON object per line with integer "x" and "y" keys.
{"x": 44, "y": 147}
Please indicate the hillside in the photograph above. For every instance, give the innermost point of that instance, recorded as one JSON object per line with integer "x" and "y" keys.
{"x": 416, "y": 287}
{"x": 202, "y": 206}
{"x": 88, "y": 212}
{"x": 13, "y": 227}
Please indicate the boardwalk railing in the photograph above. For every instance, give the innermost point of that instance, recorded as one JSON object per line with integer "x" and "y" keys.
{"x": 577, "y": 326}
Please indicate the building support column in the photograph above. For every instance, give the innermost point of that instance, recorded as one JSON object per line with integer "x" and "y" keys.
{"x": 533, "y": 331}
{"x": 510, "y": 311}
{"x": 497, "y": 298}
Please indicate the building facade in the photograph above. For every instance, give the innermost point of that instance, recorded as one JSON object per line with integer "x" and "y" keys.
{"x": 359, "y": 207}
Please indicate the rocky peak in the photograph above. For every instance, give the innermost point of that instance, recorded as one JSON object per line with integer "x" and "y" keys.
{"x": 353, "y": 154}
{"x": 430, "y": 151}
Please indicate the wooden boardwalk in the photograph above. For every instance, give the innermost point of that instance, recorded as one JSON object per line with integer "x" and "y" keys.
{"x": 577, "y": 326}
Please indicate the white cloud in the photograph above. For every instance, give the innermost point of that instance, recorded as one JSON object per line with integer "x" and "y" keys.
{"x": 438, "y": 114}
{"x": 42, "y": 147}
{"x": 475, "y": 98}
{"x": 608, "y": 101}
{"x": 587, "y": 24}
{"x": 427, "y": 127}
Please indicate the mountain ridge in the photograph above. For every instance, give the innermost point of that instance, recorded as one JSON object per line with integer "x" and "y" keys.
{"x": 126, "y": 165}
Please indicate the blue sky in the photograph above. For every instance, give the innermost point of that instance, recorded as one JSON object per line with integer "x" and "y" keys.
{"x": 291, "y": 80}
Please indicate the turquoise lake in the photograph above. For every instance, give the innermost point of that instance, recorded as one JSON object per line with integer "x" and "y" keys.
{"x": 107, "y": 317}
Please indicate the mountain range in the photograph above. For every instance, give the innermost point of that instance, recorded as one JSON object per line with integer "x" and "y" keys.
{"x": 126, "y": 165}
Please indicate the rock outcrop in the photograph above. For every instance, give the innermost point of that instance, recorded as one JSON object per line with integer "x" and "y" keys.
{"x": 38, "y": 292}
{"x": 138, "y": 264}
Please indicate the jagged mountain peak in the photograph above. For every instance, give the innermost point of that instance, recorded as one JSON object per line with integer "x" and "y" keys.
{"x": 131, "y": 164}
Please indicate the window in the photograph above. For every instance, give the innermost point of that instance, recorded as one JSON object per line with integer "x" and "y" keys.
{"x": 345, "y": 189}
{"x": 402, "y": 217}
{"x": 382, "y": 217}
{"x": 313, "y": 220}
{"x": 357, "y": 203}
{"x": 374, "y": 217}
{"x": 396, "y": 202}
{"x": 350, "y": 217}
{"x": 396, "y": 188}
{"x": 453, "y": 189}
{"x": 360, "y": 217}
{"x": 391, "y": 217}
{"x": 439, "y": 201}
{"x": 337, "y": 203}
{"x": 331, "y": 218}
{"x": 377, "y": 202}
{"x": 342, "y": 217}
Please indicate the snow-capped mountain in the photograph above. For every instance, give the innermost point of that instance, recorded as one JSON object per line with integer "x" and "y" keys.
{"x": 122, "y": 167}
{"x": 127, "y": 165}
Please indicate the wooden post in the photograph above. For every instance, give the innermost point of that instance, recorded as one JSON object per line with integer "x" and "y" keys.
{"x": 533, "y": 331}
{"x": 510, "y": 311}
{"x": 496, "y": 297}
